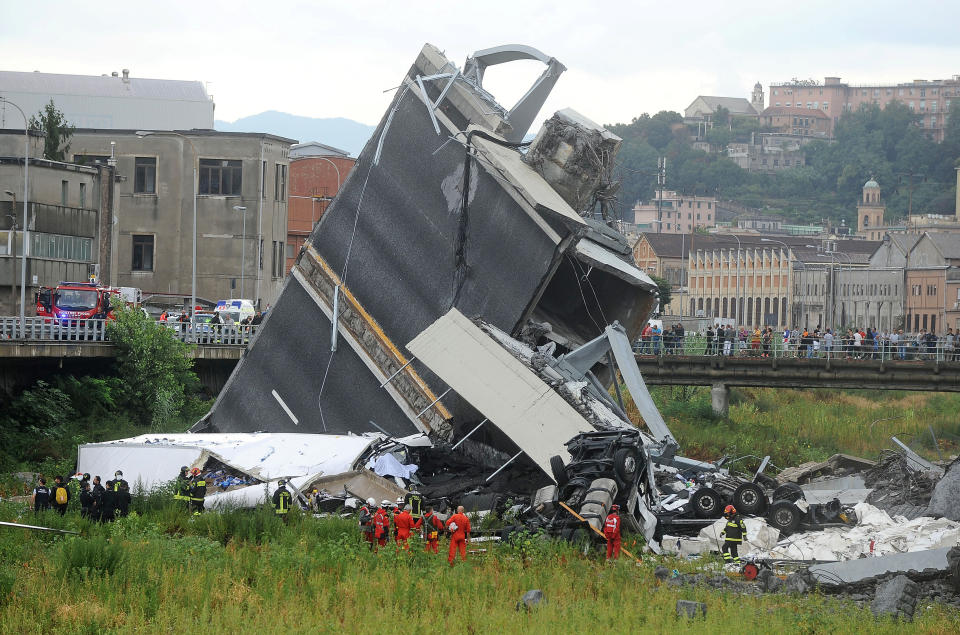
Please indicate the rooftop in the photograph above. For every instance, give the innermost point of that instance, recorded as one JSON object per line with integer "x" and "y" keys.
{"x": 103, "y": 86}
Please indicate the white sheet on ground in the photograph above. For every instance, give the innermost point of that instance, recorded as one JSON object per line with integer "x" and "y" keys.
{"x": 253, "y": 495}
{"x": 889, "y": 535}
{"x": 388, "y": 465}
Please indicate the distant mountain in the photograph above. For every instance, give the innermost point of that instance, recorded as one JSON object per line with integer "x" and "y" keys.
{"x": 338, "y": 132}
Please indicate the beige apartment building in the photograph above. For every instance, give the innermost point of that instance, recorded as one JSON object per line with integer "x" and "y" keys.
{"x": 930, "y": 99}
{"x": 678, "y": 213}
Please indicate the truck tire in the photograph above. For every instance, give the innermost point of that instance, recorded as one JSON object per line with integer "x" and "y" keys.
{"x": 784, "y": 516}
{"x": 626, "y": 465}
{"x": 767, "y": 482}
{"x": 788, "y": 492}
{"x": 559, "y": 473}
{"x": 750, "y": 499}
{"x": 706, "y": 503}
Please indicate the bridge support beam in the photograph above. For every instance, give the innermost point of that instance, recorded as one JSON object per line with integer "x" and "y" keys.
{"x": 720, "y": 399}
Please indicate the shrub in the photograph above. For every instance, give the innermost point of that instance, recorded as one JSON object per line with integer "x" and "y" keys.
{"x": 83, "y": 557}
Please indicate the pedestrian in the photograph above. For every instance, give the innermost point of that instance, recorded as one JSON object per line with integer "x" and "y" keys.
{"x": 645, "y": 339}
{"x": 459, "y": 527}
{"x": 431, "y": 527}
{"x": 767, "y": 339}
{"x": 611, "y": 531}
{"x": 727, "y": 339}
{"x": 710, "y": 343}
{"x": 198, "y": 491}
{"x": 733, "y": 534}
{"x": 655, "y": 334}
{"x": 282, "y": 500}
{"x": 118, "y": 481}
{"x": 948, "y": 346}
{"x": 60, "y": 495}
{"x": 828, "y": 343}
{"x": 181, "y": 487}
{"x": 381, "y": 524}
{"x": 857, "y": 343}
{"x": 41, "y": 496}
{"x": 366, "y": 521}
{"x": 257, "y": 319}
{"x": 403, "y": 522}
{"x": 86, "y": 500}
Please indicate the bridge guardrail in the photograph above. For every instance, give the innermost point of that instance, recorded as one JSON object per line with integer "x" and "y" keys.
{"x": 840, "y": 348}
{"x": 44, "y": 329}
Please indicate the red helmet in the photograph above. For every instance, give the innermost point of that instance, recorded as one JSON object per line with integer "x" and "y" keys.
{"x": 614, "y": 508}
{"x": 729, "y": 511}
{"x": 195, "y": 471}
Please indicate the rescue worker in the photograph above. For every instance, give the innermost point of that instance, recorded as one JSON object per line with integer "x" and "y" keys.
{"x": 41, "y": 496}
{"x": 59, "y": 495}
{"x": 282, "y": 500}
{"x": 122, "y": 491}
{"x": 198, "y": 490}
{"x": 414, "y": 504}
{"x": 86, "y": 500}
{"x": 733, "y": 534}
{"x": 431, "y": 526}
{"x": 403, "y": 522}
{"x": 393, "y": 517}
{"x": 459, "y": 527}
{"x": 118, "y": 482}
{"x": 97, "y": 492}
{"x": 108, "y": 504}
{"x": 366, "y": 521}
{"x": 181, "y": 487}
{"x": 381, "y": 524}
{"x": 611, "y": 531}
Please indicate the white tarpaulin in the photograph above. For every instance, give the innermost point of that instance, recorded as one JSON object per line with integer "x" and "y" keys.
{"x": 759, "y": 536}
{"x": 254, "y": 495}
{"x": 151, "y": 459}
{"x": 388, "y": 465}
{"x": 889, "y": 535}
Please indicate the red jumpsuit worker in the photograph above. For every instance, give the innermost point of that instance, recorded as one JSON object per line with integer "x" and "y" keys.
{"x": 432, "y": 526}
{"x": 381, "y": 524}
{"x": 459, "y": 527}
{"x": 403, "y": 522}
{"x": 611, "y": 531}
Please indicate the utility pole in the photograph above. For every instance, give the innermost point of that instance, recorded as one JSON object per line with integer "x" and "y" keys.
{"x": 661, "y": 181}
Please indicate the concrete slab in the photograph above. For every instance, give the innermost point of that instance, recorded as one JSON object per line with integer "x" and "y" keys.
{"x": 838, "y": 573}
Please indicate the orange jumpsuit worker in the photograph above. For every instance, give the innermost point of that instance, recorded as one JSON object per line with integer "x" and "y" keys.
{"x": 459, "y": 527}
{"x": 432, "y": 526}
{"x": 403, "y": 523}
{"x": 381, "y": 524}
{"x": 611, "y": 531}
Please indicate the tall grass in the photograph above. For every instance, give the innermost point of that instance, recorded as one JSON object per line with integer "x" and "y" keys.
{"x": 315, "y": 576}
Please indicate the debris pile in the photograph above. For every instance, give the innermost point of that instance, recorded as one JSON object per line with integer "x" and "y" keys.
{"x": 899, "y": 486}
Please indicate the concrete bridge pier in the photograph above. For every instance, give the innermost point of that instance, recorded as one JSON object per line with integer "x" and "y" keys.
{"x": 720, "y": 399}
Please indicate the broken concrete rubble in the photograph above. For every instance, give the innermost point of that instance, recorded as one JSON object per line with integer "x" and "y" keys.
{"x": 945, "y": 499}
{"x": 896, "y": 597}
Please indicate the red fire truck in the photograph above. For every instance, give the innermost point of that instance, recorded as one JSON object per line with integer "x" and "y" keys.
{"x": 70, "y": 302}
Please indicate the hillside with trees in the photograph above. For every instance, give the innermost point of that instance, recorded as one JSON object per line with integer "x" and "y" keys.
{"x": 882, "y": 143}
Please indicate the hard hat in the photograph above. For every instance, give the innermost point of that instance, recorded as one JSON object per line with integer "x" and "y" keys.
{"x": 281, "y": 482}
{"x": 118, "y": 474}
{"x": 371, "y": 501}
{"x": 399, "y": 500}
{"x": 729, "y": 510}
{"x": 184, "y": 468}
{"x": 86, "y": 477}
{"x": 195, "y": 471}
{"x": 385, "y": 503}
{"x": 614, "y": 507}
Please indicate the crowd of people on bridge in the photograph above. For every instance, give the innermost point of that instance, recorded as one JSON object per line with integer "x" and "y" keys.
{"x": 851, "y": 343}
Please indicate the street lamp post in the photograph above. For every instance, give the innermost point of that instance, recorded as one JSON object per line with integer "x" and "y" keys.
{"x": 193, "y": 278}
{"x": 24, "y": 237}
{"x": 740, "y": 301}
{"x": 243, "y": 245}
{"x": 11, "y": 246}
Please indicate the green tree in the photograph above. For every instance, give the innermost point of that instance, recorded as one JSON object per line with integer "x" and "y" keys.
{"x": 56, "y": 132}
{"x": 155, "y": 369}
{"x": 665, "y": 289}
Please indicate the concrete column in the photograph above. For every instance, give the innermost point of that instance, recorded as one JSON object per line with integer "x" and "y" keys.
{"x": 720, "y": 399}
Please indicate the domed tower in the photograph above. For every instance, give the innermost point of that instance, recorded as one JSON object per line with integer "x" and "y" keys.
{"x": 756, "y": 100}
{"x": 870, "y": 212}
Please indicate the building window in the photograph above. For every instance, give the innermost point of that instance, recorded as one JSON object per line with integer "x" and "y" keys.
{"x": 280, "y": 183}
{"x": 142, "y": 253}
{"x": 145, "y": 175}
{"x": 60, "y": 247}
{"x": 263, "y": 180}
{"x": 220, "y": 177}
{"x": 64, "y": 192}
{"x": 277, "y": 262}
{"x": 83, "y": 195}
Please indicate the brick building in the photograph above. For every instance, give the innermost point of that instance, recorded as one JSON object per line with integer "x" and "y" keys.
{"x": 316, "y": 173}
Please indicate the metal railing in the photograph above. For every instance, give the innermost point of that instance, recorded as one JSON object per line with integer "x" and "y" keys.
{"x": 45, "y": 329}
{"x": 905, "y": 348}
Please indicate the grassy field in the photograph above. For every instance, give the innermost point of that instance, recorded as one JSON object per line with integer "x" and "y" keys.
{"x": 794, "y": 426}
{"x": 245, "y": 572}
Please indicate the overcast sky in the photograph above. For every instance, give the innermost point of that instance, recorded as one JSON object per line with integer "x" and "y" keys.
{"x": 335, "y": 59}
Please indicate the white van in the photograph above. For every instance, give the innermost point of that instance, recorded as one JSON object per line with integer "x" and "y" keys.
{"x": 239, "y": 309}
